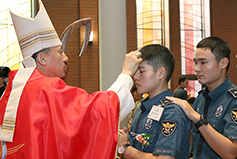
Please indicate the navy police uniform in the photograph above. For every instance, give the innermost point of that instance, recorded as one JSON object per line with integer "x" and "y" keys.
{"x": 170, "y": 135}
{"x": 222, "y": 116}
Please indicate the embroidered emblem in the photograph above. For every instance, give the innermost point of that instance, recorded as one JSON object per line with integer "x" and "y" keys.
{"x": 219, "y": 111}
{"x": 233, "y": 92}
{"x": 165, "y": 102}
{"x": 168, "y": 127}
{"x": 10, "y": 150}
{"x": 148, "y": 124}
{"x": 234, "y": 115}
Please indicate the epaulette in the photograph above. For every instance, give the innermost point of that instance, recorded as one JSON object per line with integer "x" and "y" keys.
{"x": 233, "y": 92}
{"x": 165, "y": 102}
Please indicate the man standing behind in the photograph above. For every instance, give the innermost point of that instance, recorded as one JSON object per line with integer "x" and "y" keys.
{"x": 4, "y": 71}
{"x": 160, "y": 128}
{"x": 181, "y": 92}
{"x": 2, "y": 86}
{"x": 214, "y": 111}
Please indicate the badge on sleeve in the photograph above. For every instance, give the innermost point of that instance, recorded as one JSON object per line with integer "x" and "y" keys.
{"x": 234, "y": 115}
{"x": 168, "y": 127}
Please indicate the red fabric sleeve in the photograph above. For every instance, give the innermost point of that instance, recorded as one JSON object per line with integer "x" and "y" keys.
{"x": 59, "y": 121}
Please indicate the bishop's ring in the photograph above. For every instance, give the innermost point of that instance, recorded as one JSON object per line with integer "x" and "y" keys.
{"x": 138, "y": 54}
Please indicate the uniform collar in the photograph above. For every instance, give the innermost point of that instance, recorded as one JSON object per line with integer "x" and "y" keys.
{"x": 148, "y": 103}
{"x": 181, "y": 87}
{"x": 221, "y": 89}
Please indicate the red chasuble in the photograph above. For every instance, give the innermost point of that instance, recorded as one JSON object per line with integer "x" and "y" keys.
{"x": 56, "y": 121}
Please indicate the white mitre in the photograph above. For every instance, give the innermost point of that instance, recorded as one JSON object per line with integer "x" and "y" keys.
{"x": 33, "y": 35}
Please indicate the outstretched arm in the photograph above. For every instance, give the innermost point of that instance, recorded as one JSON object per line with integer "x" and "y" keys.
{"x": 131, "y": 62}
{"x": 124, "y": 82}
{"x": 225, "y": 147}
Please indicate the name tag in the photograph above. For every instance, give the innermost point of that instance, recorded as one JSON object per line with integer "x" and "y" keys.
{"x": 156, "y": 112}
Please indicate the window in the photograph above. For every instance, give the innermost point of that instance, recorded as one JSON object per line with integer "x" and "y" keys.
{"x": 9, "y": 49}
{"x": 152, "y": 22}
{"x": 194, "y": 26}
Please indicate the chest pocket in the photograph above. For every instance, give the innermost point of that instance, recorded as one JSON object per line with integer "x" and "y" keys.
{"x": 150, "y": 127}
{"x": 217, "y": 123}
{"x": 217, "y": 114}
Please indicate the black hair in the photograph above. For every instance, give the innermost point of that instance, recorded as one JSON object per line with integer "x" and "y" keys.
{"x": 46, "y": 50}
{"x": 219, "y": 47}
{"x": 182, "y": 79}
{"x": 159, "y": 56}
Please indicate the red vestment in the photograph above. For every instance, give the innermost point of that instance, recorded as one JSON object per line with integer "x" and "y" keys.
{"x": 56, "y": 121}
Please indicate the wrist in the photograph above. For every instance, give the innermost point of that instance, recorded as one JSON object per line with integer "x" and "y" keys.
{"x": 196, "y": 118}
{"x": 122, "y": 149}
{"x": 121, "y": 144}
{"x": 202, "y": 121}
{"x": 127, "y": 73}
{"x": 122, "y": 141}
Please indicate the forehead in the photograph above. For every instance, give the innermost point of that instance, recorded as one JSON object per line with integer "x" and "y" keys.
{"x": 56, "y": 47}
{"x": 144, "y": 64}
{"x": 203, "y": 54}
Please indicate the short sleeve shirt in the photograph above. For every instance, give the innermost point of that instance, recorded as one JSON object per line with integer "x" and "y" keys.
{"x": 222, "y": 116}
{"x": 170, "y": 135}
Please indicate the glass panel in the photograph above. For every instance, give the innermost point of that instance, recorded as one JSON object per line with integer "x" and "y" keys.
{"x": 150, "y": 17}
{"x": 9, "y": 49}
{"x": 194, "y": 26}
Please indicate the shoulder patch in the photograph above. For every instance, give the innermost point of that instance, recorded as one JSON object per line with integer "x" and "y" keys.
{"x": 168, "y": 127}
{"x": 165, "y": 102}
{"x": 234, "y": 115}
{"x": 233, "y": 92}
